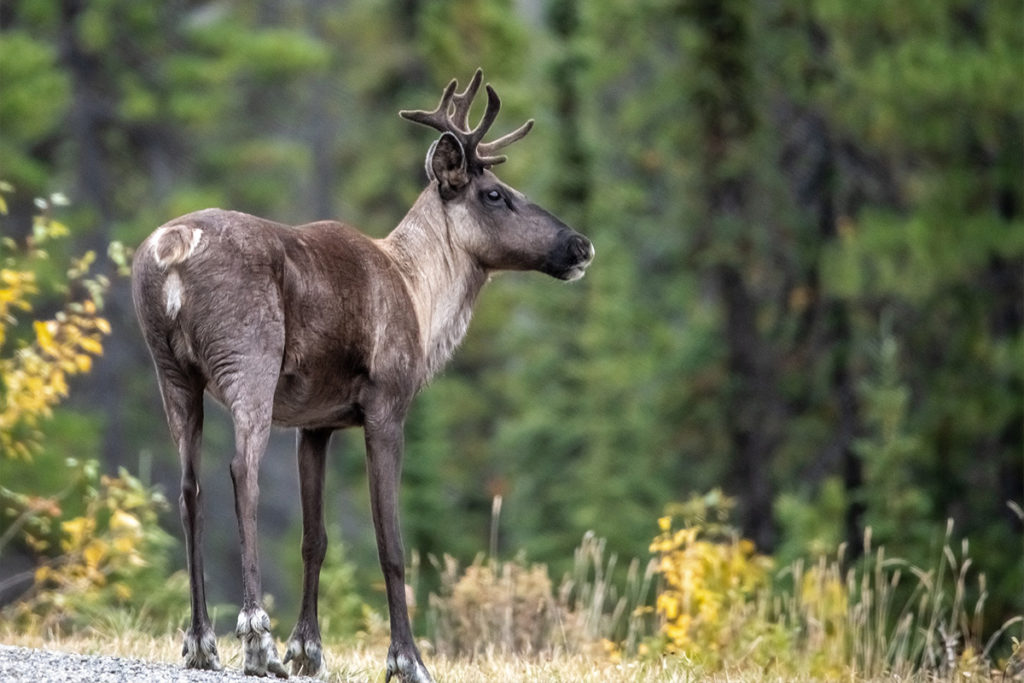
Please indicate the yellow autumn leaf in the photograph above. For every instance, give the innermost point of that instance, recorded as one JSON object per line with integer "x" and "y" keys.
{"x": 59, "y": 383}
{"x": 91, "y": 345}
{"x": 57, "y": 229}
{"x": 123, "y": 521}
{"x": 94, "y": 552}
{"x": 44, "y": 336}
{"x": 97, "y": 577}
{"x": 83, "y": 362}
{"x": 668, "y": 605}
{"x": 76, "y": 528}
{"x": 124, "y": 545}
{"x": 102, "y": 325}
{"x": 40, "y": 545}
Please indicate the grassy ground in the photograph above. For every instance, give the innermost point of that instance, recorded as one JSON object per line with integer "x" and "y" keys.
{"x": 727, "y": 612}
{"x": 363, "y": 663}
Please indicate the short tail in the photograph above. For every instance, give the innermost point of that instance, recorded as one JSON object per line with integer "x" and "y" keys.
{"x": 172, "y": 245}
{"x": 175, "y": 243}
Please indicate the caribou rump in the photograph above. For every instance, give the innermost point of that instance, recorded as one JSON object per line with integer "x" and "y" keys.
{"x": 320, "y": 328}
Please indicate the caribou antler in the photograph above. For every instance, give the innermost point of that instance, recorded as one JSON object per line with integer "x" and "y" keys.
{"x": 452, "y": 116}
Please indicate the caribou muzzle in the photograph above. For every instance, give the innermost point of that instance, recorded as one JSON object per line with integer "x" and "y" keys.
{"x": 570, "y": 260}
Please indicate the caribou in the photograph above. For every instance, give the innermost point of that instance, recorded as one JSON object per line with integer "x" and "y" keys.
{"x": 320, "y": 327}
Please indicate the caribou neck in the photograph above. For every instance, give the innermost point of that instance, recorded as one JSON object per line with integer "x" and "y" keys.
{"x": 441, "y": 278}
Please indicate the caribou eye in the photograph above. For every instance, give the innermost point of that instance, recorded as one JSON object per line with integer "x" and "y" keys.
{"x": 493, "y": 196}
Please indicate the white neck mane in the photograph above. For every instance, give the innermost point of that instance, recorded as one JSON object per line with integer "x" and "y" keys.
{"x": 442, "y": 280}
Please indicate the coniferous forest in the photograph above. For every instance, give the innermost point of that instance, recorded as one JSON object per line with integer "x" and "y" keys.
{"x": 808, "y": 290}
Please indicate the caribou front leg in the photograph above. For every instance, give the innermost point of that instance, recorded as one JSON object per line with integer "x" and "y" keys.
{"x": 384, "y": 444}
{"x": 305, "y": 651}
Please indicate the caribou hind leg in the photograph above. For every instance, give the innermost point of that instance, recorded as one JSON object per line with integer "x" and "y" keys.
{"x": 182, "y": 394}
{"x": 246, "y": 382}
{"x": 305, "y": 651}
{"x": 253, "y": 628}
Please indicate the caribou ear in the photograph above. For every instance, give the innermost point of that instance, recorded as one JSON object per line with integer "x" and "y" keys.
{"x": 446, "y": 163}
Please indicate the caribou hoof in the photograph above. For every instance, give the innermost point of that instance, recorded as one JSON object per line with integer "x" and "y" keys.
{"x": 200, "y": 650}
{"x": 405, "y": 663}
{"x": 253, "y": 630}
{"x": 305, "y": 654}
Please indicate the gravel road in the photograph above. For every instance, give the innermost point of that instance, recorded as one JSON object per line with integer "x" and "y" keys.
{"x": 22, "y": 665}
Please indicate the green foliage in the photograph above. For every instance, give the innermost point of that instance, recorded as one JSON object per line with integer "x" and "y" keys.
{"x": 893, "y": 459}
{"x": 812, "y": 526}
{"x": 34, "y": 96}
{"x": 460, "y": 36}
{"x": 343, "y": 613}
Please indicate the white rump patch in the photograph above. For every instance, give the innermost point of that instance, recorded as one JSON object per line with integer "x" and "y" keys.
{"x": 173, "y": 293}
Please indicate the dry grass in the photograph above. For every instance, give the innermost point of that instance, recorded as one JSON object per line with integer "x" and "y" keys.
{"x": 364, "y": 663}
{"x": 514, "y": 608}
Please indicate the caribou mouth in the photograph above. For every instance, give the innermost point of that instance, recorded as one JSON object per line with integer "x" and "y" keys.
{"x": 573, "y": 274}
{"x": 580, "y": 269}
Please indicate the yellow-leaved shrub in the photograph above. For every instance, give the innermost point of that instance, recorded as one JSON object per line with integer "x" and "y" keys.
{"x": 107, "y": 557}
{"x": 711, "y": 579}
{"x": 96, "y": 542}
{"x": 34, "y": 371}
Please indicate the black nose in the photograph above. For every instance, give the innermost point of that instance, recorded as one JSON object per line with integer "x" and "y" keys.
{"x": 580, "y": 248}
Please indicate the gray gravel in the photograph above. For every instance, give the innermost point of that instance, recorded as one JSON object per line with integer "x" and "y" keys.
{"x": 19, "y": 664}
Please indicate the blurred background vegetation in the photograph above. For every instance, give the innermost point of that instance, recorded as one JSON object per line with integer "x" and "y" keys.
{"x": 808, "y": 284}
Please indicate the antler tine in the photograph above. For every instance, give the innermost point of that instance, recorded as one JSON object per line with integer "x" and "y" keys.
{"x": 485, "y": 150}
{"x": 462, "y": 101}
{"x": 437, "y": 119}
{"x": 491, "y": 113}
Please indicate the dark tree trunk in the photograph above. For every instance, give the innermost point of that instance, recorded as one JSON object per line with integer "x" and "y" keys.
{"x": 754, "y": 409}
{"x": 808, "y": 157}
{"x": 88, "y": 118}
{"x": 571, "y": 187}
{"x": 724, "y": 100}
